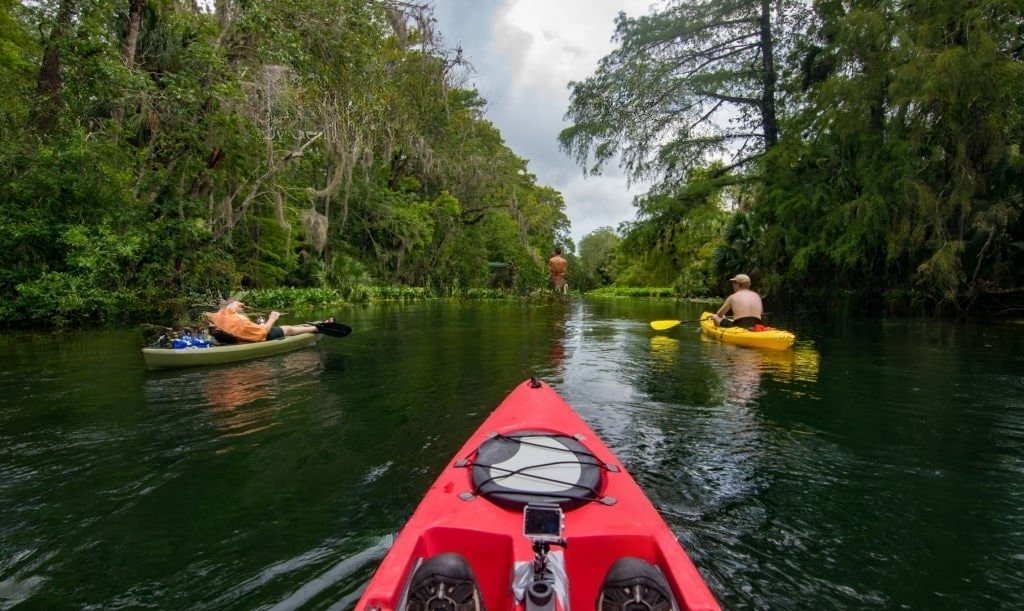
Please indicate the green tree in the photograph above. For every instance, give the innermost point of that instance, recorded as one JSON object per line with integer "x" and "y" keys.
{"x": 907, "y": 181}
{"x": 688, "y": 83}
{"x": 246, "y": 144}
{"x": 597, "y": 252}
{"x": 676, "y": 232}
{"x": 16, "y": 70}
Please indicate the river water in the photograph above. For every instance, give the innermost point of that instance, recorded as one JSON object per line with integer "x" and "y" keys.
{"x": 877, "y": 465}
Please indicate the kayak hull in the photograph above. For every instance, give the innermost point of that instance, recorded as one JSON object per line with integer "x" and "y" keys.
{"x": 456, "y": 515}
{"x": 169, "y": 358}
{"x": 772, "y": 339}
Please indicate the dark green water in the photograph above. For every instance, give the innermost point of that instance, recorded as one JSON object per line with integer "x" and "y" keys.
{"x": 880, "y": 465}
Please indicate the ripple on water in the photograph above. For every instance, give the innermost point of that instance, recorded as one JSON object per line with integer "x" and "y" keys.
{"x": 15, "y": 590}
{"x": 235, "y": 401}
{"x": 881, "y": 468}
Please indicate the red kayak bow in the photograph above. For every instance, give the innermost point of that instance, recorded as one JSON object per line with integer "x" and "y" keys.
{"x": 535, "y": 512}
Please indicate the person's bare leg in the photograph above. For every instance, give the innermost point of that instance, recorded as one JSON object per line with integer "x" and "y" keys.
{"x": 290, "y": 330}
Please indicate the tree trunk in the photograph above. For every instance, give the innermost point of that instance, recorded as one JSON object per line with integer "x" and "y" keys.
{"x": 128, "y": 47}
{"x": 223, "y": 10}
{"x": 768, "y": 119}
{"x": 131, "y": 39}
{"x": 50, "y": 79}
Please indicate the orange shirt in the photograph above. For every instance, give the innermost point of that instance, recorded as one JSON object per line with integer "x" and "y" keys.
{"x": 237, "y": 325}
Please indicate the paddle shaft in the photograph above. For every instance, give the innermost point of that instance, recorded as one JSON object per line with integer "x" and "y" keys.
{"x": 661, "y": 325}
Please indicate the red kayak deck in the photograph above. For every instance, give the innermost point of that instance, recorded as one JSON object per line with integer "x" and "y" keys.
{"x": 606, "y": 516}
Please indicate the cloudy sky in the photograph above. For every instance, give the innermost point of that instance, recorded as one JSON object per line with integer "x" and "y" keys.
{"x": 524, "y": 53}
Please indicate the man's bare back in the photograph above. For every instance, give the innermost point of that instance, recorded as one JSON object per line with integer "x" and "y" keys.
{"x": 557, "y": 266}
{"x": 743, "y": 303}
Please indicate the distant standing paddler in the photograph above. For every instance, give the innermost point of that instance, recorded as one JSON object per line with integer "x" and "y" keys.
{"x": 557, "y": 266}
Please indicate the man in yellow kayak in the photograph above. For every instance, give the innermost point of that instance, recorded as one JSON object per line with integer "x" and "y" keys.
{"x": 230, "y": 319}
{"x": 744, "y": 303}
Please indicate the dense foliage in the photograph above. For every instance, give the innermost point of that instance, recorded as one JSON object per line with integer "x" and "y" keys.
{"x": 842, "y": 150}
{"x": 157, "y": 153}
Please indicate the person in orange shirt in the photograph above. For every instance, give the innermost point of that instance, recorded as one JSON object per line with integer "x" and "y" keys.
{"x": 230, "y": 319}
{"x": 557, "y": 266}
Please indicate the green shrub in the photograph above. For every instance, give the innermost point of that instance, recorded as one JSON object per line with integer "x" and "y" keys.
{"x": 634, "y": 291}
{"x": 60, "y": 299}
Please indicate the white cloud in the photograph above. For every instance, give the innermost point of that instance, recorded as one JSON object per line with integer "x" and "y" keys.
{"x": 554, "y": 42}
{"x": 525, "y": 53}
{"x": 596, "y": 201}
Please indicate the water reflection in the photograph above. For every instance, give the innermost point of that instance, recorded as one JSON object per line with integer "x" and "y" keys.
{"x": 743, "y": 368}
{"x": 781, "y": 472}
{"x": 701, "y": 371}
{"x": 745, "y": 377}
{"x": 239, "y": 399}
{"x": 799, "y": 364}
{"x": 226, "y": 390}
{"x": 664, "y": 349}
{"x": 556, "y": 352}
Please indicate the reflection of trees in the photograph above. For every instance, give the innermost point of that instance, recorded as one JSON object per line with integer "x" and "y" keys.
{"x": 670, "y": 371}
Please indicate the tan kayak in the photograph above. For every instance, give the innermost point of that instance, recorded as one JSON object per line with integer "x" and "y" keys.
{"x": 168, "y": 358}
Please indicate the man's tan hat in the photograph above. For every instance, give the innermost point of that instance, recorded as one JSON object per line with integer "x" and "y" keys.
{"x": 741, "y": 278}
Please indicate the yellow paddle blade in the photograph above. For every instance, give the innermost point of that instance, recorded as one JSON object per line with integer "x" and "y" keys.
{"x": 661, "y": 325}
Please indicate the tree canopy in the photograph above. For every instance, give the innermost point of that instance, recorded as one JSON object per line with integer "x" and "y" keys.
{"x": 159, "y": 150}
{"x": 872, "y": 152}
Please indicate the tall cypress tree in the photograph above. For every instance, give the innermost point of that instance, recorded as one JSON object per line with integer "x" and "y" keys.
{"x": 688, "y": 83}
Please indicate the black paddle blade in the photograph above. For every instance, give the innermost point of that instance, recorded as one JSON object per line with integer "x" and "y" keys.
{"x": 334, "y": 329}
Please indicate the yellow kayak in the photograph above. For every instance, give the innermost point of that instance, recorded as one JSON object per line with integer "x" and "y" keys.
{"x": 771, "y": 339}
